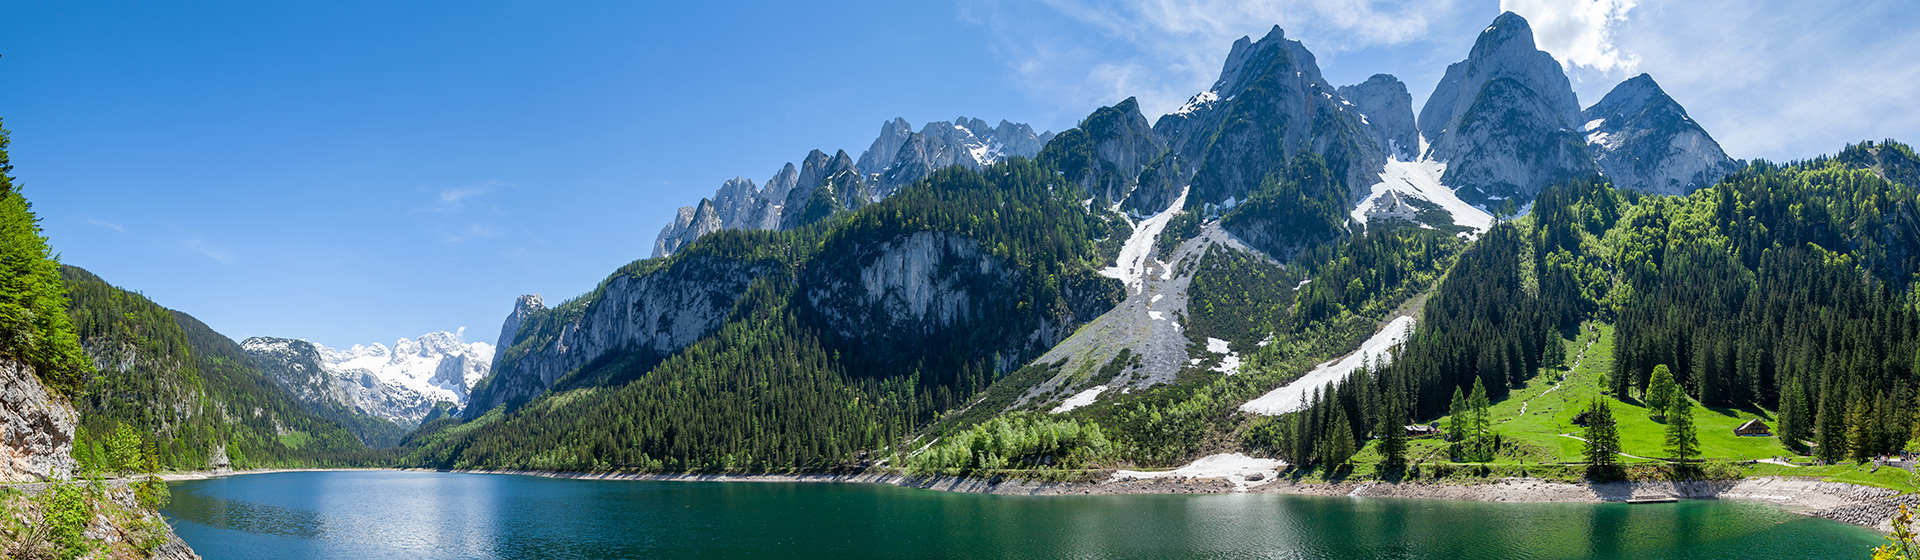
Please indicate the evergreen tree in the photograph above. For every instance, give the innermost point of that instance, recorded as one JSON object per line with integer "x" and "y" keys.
{"x": 1602, "y": 435}
{"x": 1339, "y": 448}
{"x": 1480, "y": 448}
{"x": 1860, "y": 432}
{"x": 1796, "y": 425}
{"x": 1659, "y": 392}
{"x": 1391, "y": 429}
{"x": 1830, "y": 431}
{"x": 1683, "y": 440}
{"x": 1457, "y": 421}
{"x": 34, "y": 326}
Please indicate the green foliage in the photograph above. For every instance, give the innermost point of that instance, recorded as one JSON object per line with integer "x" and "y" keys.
{"x": 1603, "y": 436}
{"x": 1662, "y": 392}
{"x": 1294, "y": 209}
{"x": 795, "y": 378}
{"x": 1016, "y": 442}
{"x": 34, "y": 327}
{"x": 1683, "y": 439}
{"x": 65, "y": 508}
{"x": 180, "y": 389}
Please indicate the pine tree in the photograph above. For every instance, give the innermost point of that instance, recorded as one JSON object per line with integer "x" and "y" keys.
{"x": 34, "y": 326}
{"x": 1860, "y": 427}
{"x": 1659, "y": 392}
{"x": 1339, "y": 447}
{"x": 1457, "y": 417}
{"x": 1683, "y": 440}
{"x": 1480, "y": 449}
{"x": 1602, "y": 435}
{"x": 1830, "y": 431}
{"x": 1391, "y": 429}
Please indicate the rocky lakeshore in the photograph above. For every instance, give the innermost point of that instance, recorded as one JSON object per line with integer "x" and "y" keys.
{"x": 1864, "y": 506}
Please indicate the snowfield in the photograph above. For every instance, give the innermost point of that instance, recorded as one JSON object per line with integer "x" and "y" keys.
{"x": 1421, "y": 179}
{"x": 1131, "y": 267}
{"x": 1376, "y": 349}
{"x": 1235, "y": 467}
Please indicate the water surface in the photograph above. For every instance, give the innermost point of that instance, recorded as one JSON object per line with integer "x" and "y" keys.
{"x": 386, "y": 514}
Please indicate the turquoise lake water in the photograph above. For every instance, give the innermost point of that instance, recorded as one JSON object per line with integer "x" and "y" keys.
{"x": 385, "y": 514}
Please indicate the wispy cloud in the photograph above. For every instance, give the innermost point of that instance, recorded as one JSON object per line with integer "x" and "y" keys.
{"x": 1165, "y": 51}
{"x": 1782, "y": 80}
{"x": 208, "y": 250}
{"x": 460, "y": 214}
{"x": 104, "y": 224}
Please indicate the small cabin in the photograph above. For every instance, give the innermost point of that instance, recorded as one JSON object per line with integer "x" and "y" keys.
{"x": 1753, "y": 428}
{"x": 1422, "y": 430}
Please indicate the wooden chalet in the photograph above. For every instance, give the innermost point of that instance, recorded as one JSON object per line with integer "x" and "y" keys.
{"x": 1753, "y": 428}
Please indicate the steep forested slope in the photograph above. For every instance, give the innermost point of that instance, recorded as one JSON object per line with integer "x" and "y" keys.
{"x": 848, "y": 335}
{"x": 1783, "y": 286}
{"x": 184, "y": 389}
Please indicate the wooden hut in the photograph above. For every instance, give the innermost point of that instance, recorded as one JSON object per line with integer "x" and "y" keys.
{"x": 1753, "y": 428}
{"x": 1422, "y": 430}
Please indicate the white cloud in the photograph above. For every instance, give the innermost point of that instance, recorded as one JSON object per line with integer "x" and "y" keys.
{"x": 208, "y": 250}
{"x": 1079, "y": 54}
{"x": 1578, "y": 32}
{"x": 1783, "y": 80}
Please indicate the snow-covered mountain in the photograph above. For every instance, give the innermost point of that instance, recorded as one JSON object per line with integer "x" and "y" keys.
{"x": 825, "y": 184}
{"x": 401, "y": 383}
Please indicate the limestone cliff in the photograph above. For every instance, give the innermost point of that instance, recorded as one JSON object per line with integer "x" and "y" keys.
{"x": 37, "y": 443}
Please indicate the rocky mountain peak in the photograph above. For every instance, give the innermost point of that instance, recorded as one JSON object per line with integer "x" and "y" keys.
{"x": 1386, "y": 111}
{"x": 1644, "y": 140}
{"x": 1505, "y": 119}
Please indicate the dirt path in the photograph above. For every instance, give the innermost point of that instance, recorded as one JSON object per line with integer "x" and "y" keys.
{"x": 1557, "y": 383}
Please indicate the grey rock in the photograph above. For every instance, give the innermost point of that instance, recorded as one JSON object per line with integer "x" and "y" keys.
{"x": 1108, "y": 152}
{"x": 1645, "y": 141}
{"x": 660, "y": 312}
{"x": 36, "y": 428}
{"x": 1269, "y": 104}
{"x": 1386, "y": 111}
{"x": 898, "y": 157}
{"x": 1505, "y": 119}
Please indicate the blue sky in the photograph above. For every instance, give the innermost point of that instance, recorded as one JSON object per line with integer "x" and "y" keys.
{"x": 362, "y": 171}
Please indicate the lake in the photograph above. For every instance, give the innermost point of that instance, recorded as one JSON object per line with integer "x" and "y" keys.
{"x": 390, "y": 514}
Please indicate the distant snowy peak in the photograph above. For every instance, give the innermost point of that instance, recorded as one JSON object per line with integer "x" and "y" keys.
{"x": 823, "y": 184}
{"x": 439, "y": 365}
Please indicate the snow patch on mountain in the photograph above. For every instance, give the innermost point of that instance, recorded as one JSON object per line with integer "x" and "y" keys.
{"x": 1135, "y": 255}
{"x": 1292, "y": 396}
{"x": 1421, "y": 180}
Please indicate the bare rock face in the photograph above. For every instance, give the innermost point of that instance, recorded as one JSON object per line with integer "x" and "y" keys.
{"x": 824, "y": 184}
{"x": 1386, "y": 111}
{"x": 655, "y": 313}
{"x": 37, "y": 443}
{"x": 1505, "y": 120}
{"x": 1645, "y": 141}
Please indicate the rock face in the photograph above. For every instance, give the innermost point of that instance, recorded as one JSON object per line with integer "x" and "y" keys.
{"x": 921, "y": 282}
{"x": 653, "y": 314}
{"x": 400, "y": 384}
{"x": 1645, "y": 141}
{"x": 1269, "y": 104}
{"x": 1505, "y": 120}
{"x": 1386, "y": 111}
{"x": 37, "y": 442}
{"x": 1108, "y": 153}
{"x": 822, "y": 185}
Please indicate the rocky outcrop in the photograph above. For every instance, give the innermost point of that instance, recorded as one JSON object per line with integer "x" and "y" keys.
{"x": 1645, "y": 141}
{"x": 1386, "y": 111}
{"x": 37, "y": 442}
{"x": 822, "y": 185}
{"x": 1269, "y": 104}
{"x": 916, "y": 283}
{"x": 1505, "y": 120}
{"x": 1108, "y": 153}
{"x": 654, "y": 313}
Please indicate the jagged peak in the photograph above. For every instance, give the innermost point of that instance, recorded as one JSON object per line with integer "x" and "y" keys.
{"x": 1507, "y": 31}
{"x": 1632, "y": 95}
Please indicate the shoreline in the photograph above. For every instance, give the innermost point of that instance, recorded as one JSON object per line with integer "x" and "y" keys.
{"x": 1863, "y": 506}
